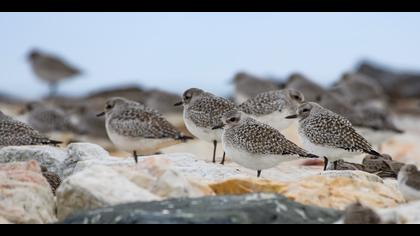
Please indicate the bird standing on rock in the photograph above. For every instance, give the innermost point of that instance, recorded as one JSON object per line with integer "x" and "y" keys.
{"x": 328, "y": 134}
{"x": 133, "y": 127}
{"x": 202, "y": 112}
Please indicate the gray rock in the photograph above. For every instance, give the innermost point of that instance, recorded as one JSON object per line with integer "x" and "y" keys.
{"x": 50, "y": 157}
{"x": 245, "y": 209}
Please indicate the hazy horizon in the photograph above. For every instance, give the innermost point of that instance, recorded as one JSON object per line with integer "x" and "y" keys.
{"x": 175, "y": 51}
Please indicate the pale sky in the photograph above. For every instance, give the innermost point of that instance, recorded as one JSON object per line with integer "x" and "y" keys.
{"x": 175, "y": 51}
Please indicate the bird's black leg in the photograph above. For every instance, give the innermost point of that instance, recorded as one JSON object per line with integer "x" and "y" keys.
{"x": 223, "y": 159}
{"x": 214, "y": 151}
{"x": 135, "y": 157}
{"x": 258, "y": 173}
{"x": 325, "y": 163}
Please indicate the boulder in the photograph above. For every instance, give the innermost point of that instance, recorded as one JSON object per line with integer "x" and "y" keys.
{"x": 50, "y": 157}
{"x": 97, "y": 186}
{"x": 26, "y": 197}
{"x": 246, "y": 209}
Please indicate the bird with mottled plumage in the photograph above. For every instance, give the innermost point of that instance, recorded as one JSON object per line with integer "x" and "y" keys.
{"x": 272, "y": 107}
{"x": 47, "y": 119}
{"x": 53, "y": 179}
{"x": 16, "y": 133}
{"x": 328, "y": 134}
{"x": 311, "y": 90}
{"x": 51, "y": 69}
{"x": 133, "y": 127}
{"x": 202, "y": 112}
{"x": 409, "y": 182}
{"x": 381, "y": 165}
{"x": 356, "y": 213}
{"x": 248, "y": 86}
{"x": 255, "y": 145}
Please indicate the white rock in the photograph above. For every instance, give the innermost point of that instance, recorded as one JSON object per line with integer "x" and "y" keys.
{"x": 97, "y": 186}
{"x": 86, "y": 151}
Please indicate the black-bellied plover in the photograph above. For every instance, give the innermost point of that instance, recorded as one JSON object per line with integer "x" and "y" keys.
{"x": 248, "y": 86}
{"x": 133, "y": 127}
{"x": 272, "y": 107}
{"x": 328, "y": 134}
{"x": 255, "y": 145}
{"x": 202, "y": 112}
{"x": 48, "y": 118}
{"x": 409, "y": 182}
{"x": 311, "y": 90}
{"x": 16, "y": 133}
{"x": 381, "y": 165}
{"x": 356, "y": 213}
{"x": 373, "y": 123}
{"x": 52, "y": 178}
{"x": 51, "y": 69}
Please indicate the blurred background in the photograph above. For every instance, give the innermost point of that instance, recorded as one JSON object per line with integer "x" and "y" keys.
{"x": 175, "y": 51}
{"x": 58, "y": 69}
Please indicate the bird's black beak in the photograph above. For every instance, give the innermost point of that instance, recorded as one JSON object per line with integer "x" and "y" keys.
{"x": 218, "y": 127}
{"x": 292, "y": 117}
{"x": 100, "y": 114}
{"x": 178, "y": 104}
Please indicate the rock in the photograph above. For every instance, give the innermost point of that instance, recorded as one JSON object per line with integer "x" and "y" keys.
{"x": 78, "y": 152}
{"x": 3, "y": 221}
{"x": 404, "y": 214}
{"x": 158, "y": 176}
{"x": 26, "y": 197}
{"x": 246, "y": 209}
{"x": 353, "y": 174}
{"x": 327, "y": 190}
{"x": 50, "y": 157}
{"x": 97, "y": 186}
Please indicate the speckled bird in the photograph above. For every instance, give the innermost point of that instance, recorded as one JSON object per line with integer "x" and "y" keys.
{"x": 202, "y": 112}
{"x": 255, "y": 145}
{"x": 328, "y": 134}
{"x": 272, "y": 107}
{"x": 16, "y": 133}
{"x": 409, "y": 182}
{"x": 133, "y": 127}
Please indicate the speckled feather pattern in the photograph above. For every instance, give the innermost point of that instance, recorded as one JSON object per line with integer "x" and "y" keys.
{"x": 267, "y": 103}
{"x": 139, "y": 121}
{"x": 259, "y": 138}
{"x": 329, "y": 129}
{"x": 50, "y": 119}
{"x": 207, "y": 110}
{"x": 16, "y": 133}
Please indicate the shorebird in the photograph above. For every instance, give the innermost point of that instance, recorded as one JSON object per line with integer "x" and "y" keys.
{"x": 202, "y": 112}
{"x": 255, "y": 145}
{"x": 133, "y": 127}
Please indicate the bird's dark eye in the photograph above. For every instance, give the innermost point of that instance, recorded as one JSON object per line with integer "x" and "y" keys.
{"x": 188, "y": 97}
{"x": 296, "y": 97}
{"x": 108, "y": 107}
{"x": 306, "y": 110}
{"x": 233, "y": 119}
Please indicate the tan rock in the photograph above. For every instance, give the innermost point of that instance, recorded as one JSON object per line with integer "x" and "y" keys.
{"x": 321, "y": 190}
{"x": 26, "y": 197}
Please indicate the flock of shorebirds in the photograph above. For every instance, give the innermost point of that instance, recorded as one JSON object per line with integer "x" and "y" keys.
{"x": 350, "y": 119}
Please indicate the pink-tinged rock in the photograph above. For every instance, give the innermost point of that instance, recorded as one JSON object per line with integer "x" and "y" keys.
{"x": 25, "y": 195}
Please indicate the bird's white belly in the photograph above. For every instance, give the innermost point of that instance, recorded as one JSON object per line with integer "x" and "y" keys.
{"x": 333, "y": 154}
{"x": 375, "y": 137}
{"x": 142, "y": 145}
{"x": 409, "y": 193}
{"x": 276, "y": 120}
{"x": 204, "y": 134}
{"x": 255, "y": 161}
